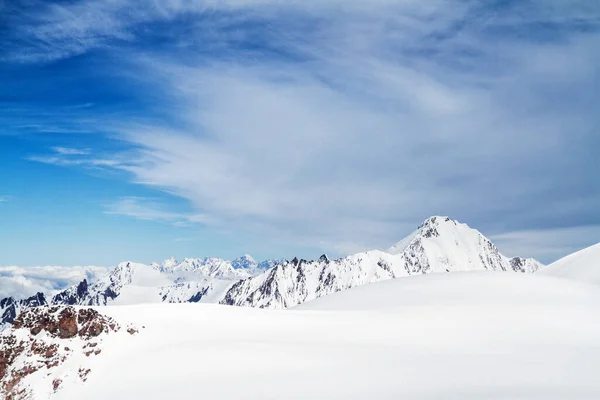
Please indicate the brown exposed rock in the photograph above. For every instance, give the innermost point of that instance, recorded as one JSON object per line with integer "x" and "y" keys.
{"x": 83, "y": 373}
{"x": 8, "y": 352}
{"x": 64, "y": 322}
{"x": 132, "y": 331}
{"x": 36, "y": 352}
{"x": 67, "y": 323}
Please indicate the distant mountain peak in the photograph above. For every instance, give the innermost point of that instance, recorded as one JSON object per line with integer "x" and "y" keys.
{"x": 435, "y": 227}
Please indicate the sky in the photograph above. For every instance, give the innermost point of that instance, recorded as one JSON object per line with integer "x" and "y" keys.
{"x": 156, "y": 128}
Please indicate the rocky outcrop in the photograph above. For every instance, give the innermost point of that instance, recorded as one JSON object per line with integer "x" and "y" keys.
{"x": 24, "y": 350}
{"x": 64, "y": 322}
{"x": 527, "y": 265}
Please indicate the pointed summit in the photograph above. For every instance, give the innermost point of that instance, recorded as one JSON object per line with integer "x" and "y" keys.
{"x": 432, "y": 227}
{"x": 442, "y": 244}
{"x": 437, "y": 220}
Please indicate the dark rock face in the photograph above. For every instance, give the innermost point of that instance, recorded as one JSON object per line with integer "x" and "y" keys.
{"x": 10, "y": 307}
{"x": 518, "y": 264}
{"x": 198, "y": 296}
{"x": 231, "y": 295}
{"x": 71, "y": 297}
{"x": 81, "y": 295}
{"x": 35, "y": 301}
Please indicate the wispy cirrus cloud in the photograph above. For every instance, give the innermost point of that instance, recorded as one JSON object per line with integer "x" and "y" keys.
{"x": 328, "y": 123}
{"x": 548, "y": 244}
{"x": 66, "y": 156}
{"x": 67, "y": 151}
{"x": 151, "y": 210}
{"x": 61, "y": 161}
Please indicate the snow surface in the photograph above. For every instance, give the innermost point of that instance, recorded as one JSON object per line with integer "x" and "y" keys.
{"x": 467, "y": 335}
{"x": 583, "y": 265}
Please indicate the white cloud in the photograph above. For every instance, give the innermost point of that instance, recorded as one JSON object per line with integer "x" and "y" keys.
{"x": 547, "y": 244}
{"x": 66, "y": 151}
{"x": 61, "y": 160}
{"x": 150, "y": 210}
{"x": 22, "y": 282}
{"x": 388, "y": 112}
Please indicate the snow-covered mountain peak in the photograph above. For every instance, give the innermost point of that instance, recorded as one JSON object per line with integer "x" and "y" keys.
{"x": 169, "y": 263}
{"x": 324, "y": 258}
{"x": 244, "y": 262}
{"x": 434, "y": 227}
{"x": 441, "y": 244}
{"x": 140, "y": 274}
{"x": 438, "y": 226}
{"x": 437, "y": 221}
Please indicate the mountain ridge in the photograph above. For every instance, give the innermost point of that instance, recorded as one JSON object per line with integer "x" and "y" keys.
{"x": 438, "y": 245}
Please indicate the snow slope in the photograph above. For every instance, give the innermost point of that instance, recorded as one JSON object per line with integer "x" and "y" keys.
{"x": 583, "y": 265}
{"x": 453, "y": 336}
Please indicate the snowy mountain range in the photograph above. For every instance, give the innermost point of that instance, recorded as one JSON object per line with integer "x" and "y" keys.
{"x": 438, "y": 245}
{"x": 375, "y": 328}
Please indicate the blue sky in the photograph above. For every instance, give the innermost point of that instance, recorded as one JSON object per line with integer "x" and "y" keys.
{"x": 141, "y": 130}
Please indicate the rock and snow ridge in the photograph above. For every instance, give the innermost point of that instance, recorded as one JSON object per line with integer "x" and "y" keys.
{"x": 438, "y": 245}
{"x": 192, "y": 280}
